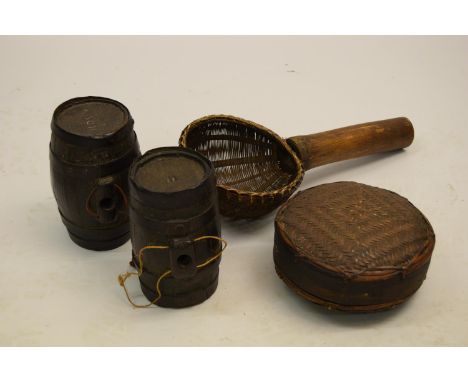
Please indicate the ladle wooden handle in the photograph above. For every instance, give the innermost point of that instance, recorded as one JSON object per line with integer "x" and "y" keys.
{"x": 352, "y": 142}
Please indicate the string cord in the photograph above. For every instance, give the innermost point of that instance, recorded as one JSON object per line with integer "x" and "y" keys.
{"x": 122, "y": 278}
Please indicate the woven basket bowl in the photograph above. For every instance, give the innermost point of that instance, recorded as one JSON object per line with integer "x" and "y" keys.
{"x": 255, "y": 169}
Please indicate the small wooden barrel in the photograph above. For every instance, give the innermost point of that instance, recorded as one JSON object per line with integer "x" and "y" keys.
{"x": 91, "y": 149}
{"x": 173, "y": 203}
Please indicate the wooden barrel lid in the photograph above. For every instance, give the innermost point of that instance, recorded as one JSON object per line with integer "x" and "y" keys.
{"x": 170, "y": 173}
{"x": 353, "y": 247}
{"x": 172, "y": 177}
{"x": 95, "y": 117}
{"x": 91, "y": 121}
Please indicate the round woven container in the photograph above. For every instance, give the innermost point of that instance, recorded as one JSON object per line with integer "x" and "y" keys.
{"x": 352, "y": 247}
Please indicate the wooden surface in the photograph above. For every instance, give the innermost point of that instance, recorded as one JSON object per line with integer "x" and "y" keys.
{"x": 170, "y": 174}
{"x": 352, "y": 141}
{"x": 175, "y": 215}
{"x": 92, "y": 146}
{"x": 92, "y": 118}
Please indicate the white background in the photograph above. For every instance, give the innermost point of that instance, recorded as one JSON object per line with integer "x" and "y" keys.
{"x": 53, "y": 292}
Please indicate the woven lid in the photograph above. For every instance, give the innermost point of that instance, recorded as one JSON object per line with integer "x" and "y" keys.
{"x": 351, "y": 228}
{"x": 354, "y": 232}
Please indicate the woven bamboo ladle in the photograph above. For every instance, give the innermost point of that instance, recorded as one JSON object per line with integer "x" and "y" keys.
{"x": 257, "y": 170}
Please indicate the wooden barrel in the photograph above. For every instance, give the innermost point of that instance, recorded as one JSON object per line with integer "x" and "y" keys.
{"x": 173, "y": 203}
{"x": 91, "y": 149}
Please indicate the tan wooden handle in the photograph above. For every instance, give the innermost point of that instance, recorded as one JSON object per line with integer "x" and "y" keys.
{"x": 352, "y": 142}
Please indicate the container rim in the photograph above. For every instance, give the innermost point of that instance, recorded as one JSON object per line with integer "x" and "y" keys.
{"x": 97, "y": 140}
{"x": 165, "y": 151}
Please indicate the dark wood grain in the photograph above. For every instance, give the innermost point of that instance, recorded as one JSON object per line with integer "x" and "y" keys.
{"x": 166, "y": 210}
{"x": 91, "y": 149}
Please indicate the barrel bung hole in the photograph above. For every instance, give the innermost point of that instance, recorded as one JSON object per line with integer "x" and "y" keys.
{"x": 107, "y": 204}
{"x": 183, "y": 261}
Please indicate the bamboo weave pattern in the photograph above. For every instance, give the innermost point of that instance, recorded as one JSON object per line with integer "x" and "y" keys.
{"x": 255, "y": 169}
{"x": 352, "y": 228}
